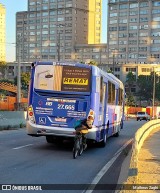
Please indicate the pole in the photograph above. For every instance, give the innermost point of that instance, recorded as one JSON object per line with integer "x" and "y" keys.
{"x": 113, "y": 62}
{"x": 100, "y": 53}
{"x": 58, "y": 46}
{"x": 18, "y": 77}
{"x": 153, "y": 100}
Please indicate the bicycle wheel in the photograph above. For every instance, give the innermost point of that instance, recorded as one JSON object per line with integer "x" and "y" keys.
{"x": 81, "y": 146}
{"x": 76, "y": 148}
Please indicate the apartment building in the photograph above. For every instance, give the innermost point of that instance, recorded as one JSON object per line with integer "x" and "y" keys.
{"x": 51, "y": 29}
{"x": 133, "y": 32}
{"x": 2, "y": 33}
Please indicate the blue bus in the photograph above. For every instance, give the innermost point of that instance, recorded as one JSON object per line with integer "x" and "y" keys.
{"x": 60, "y": 94}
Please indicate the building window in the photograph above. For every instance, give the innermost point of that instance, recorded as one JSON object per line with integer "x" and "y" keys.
{"x": 144, "y": 4}
{"x": 130, "y": 69}
{"x": 123, "y": 6}
{"x": 133, "y": 5}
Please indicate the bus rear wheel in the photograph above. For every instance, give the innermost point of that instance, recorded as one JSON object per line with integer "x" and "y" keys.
{"x": 49, "y": 139}
{"x": 103, "y": 142}
{"x": 53, "y": 139}
{"x": 117, "y": 134}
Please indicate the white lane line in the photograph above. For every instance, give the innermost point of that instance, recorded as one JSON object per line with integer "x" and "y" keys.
{"x": 106, "y": 168}
{"x": 22, "y": 146}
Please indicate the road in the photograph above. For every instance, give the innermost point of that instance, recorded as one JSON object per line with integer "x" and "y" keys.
{"x": 30, "y": 160}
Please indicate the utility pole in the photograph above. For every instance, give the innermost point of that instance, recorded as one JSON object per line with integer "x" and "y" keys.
{"x": 59, "y": 40}
{"x": 58, "y": 46}
{"x": 154, "y": 85}
{"x": 18, "y": 75}
{"x": 113, "y": 61}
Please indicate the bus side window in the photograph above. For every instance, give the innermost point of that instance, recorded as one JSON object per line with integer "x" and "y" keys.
{"x": 111, "y": 93}
{"x": 120, "y": 97}
{"x": 101, "y": 89}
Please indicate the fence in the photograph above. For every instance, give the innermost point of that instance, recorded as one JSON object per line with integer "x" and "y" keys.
{"x": 8, "y": 103}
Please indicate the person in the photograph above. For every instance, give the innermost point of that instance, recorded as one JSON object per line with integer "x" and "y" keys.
{"x": 85, "y": 125}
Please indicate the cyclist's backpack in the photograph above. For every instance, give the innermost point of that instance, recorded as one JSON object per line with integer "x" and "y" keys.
{"x": 78, "y": 124}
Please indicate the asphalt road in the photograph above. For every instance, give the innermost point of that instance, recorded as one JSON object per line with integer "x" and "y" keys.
{"x": 30, "y": 160}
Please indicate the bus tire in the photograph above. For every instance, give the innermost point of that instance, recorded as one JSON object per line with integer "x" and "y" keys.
{"x": 121, "y": 124}
{"x": 117, "y": 134}
{"x": 49, "y": 139}
{"x": 103, "y": 142}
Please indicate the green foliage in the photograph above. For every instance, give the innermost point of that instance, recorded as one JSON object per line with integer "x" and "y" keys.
{"x": 130, "y": 78}
{"x": 109, "y": 71}
{"x": 94, "y": 63}
{"x": 6, "y": 80}
{"x": 130, "y": 81}
{"x": 25, "y": 78}
{"x": 3, "y": 66}
{"x": 5, "y": 92}
{"x": 145, "y": 85}
{"x": 130, "y": 100}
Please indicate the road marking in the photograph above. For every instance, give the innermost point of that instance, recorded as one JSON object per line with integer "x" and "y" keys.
{"x": 22, "y": 146}
{"x": 106, "y": 168}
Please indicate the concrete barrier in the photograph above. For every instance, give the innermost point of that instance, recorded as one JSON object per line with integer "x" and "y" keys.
{"x": 139, "y": 138}
{"x": 12, "y": 119}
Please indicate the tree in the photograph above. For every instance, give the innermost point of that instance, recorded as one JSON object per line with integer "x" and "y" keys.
{"x": 25, "y": 78}
{"x": 130, "y": 100}
{"x": 145, "y": 85}
{"x": 130, "y": 81}
{"x": 3, "y": 66}
{"x": 94, "y": 63}
{"x": 109, "y": 71}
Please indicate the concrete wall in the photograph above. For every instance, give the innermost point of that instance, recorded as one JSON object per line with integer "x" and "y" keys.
{"x": 12, "y": 119}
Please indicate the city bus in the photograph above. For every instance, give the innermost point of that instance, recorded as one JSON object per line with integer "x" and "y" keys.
{"x": 60, "y": 94}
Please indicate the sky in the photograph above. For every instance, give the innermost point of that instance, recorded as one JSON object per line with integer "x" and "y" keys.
{"x": 13, "y": 6}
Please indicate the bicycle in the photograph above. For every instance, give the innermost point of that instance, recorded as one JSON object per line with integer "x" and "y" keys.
{"x": 79, "y": 146}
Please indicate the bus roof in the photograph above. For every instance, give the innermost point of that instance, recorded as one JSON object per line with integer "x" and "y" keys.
{"x": 62, "y": 63}
{"x": 110, "y": 77}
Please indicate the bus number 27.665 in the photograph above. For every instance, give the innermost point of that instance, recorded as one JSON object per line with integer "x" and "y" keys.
{"x": 67, "y": 107}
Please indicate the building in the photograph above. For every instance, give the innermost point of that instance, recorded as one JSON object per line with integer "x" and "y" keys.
{"x": 133, "y": 32}
{"x": 50, "y": 30}
{"x": 2, "y": 33}
{"x": 91, "y": 52}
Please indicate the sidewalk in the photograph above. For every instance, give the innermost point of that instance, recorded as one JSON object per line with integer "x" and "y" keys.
{"x": 149, "y": 161}
{"x": 148, "y": 165}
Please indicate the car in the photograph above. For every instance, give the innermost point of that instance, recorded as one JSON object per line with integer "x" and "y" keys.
{"x": 143, "y": 116}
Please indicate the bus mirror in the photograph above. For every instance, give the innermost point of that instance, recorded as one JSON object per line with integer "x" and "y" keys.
{"x": 32, "y": 65}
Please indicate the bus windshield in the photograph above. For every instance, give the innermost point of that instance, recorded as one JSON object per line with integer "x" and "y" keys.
{"x": 62, "y": 78}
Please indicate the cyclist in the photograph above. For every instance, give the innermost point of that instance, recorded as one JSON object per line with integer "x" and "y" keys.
{"x": 85, "y": 125}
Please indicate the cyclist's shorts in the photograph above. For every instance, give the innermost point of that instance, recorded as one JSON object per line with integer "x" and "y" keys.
{"x": 84, "y": 131}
